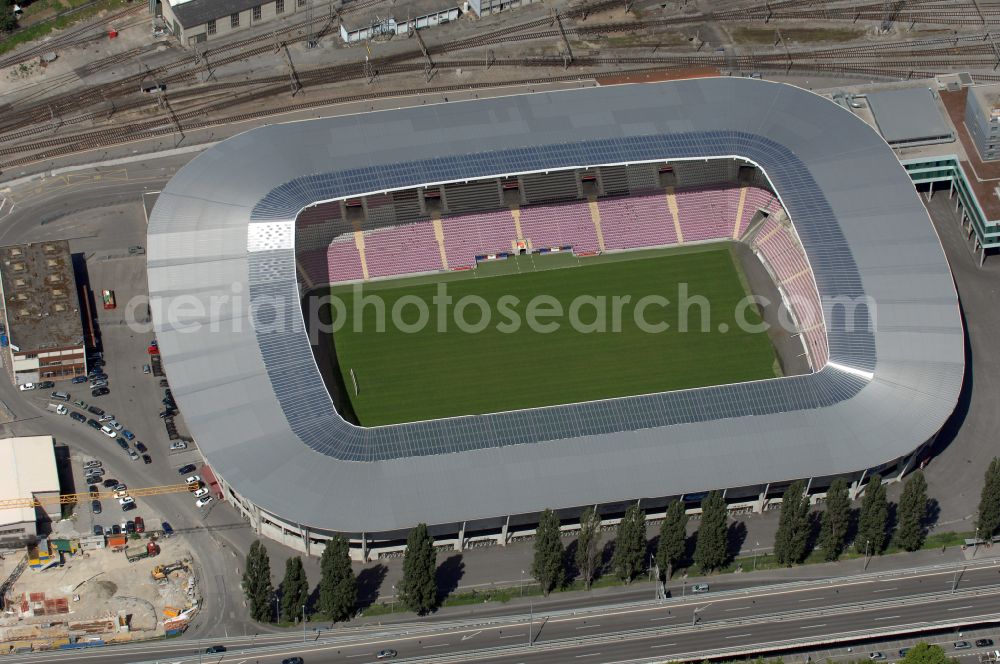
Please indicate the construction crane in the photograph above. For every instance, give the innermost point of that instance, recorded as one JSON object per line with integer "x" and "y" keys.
{"x": 73, "y": 498}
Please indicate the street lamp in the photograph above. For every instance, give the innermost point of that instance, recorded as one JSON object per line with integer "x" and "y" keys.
{"x": 521, "y": 587}
{"x": 275, "y": 608}
{"x": 975, "y": 547}
{"x": 867, "y": 542}
{"x": 531, "y": 621}
{"x": 303, "y": 623}
{"x": 392, "y": 604}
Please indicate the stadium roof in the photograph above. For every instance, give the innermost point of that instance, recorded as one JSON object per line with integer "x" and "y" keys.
{"x": 221, "y": 239}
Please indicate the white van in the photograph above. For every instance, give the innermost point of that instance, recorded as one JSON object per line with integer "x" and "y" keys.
{"x": 57, "y": 408}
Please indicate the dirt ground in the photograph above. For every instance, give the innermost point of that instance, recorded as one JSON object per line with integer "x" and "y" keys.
{"x": 102, "y": 583}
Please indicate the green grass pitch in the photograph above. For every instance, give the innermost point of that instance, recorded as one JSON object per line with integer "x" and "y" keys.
{"x": 409, "y": 376}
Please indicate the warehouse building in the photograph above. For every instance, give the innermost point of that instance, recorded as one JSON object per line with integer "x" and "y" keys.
{"x": 41, "y": 312}
{"x": 27, "y": 470}
{"x": 197, "y": 21}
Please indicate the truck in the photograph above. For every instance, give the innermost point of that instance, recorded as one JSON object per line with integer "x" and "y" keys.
{"x": 140, "y": 551}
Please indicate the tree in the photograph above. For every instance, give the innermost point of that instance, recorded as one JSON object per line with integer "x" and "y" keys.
{"x": 294, "y": 590}
{"x": 586, "y": 545}
{"x": 836, "y": 519}
{"x": 912, "y": 513}
{"x": 8, "y": 19}
{"x": 711, "y": 551}
{"x": 923, "y": 653}
{"x": 547, "y": 566}
{"x": 256, "y": 584}
{"x": 792, "y": 535}
{"x": 874, "y": 518}
{"x": 673, "y": 539}
{"x": 338, "y": 587}
{"x": 418, "y": 589}
{"x": 630, "y": 544}
{"x": 988, "y": 520}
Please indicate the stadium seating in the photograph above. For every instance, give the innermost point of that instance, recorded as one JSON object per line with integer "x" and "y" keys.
{"x": 343, "y": 260}
{"x": 756, "y": 199}
{"x": 555, "y": 225}
{"x": 406, "y": 249}
{"x": 468, "y": 235}
{"x": 707, "y": 213}
{"x": 636, "y": 221}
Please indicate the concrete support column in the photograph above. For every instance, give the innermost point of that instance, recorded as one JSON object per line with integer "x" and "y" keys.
{"x": 930, "y": 190}
{"x": 958, "y": 201}
{"x": 304, "y": 531}
{"x": 758, "y": 507}
{"x": 460, "y": 542}
{"x": 256, "y": 519}
{"x": 908, "y": 464}
{"x": 364, "y": 547}
{"x": 503, "y": 532}
{"x": 951, "y": 188}
{"x": 856, "y": 486}
{"x": 808, "y": 486}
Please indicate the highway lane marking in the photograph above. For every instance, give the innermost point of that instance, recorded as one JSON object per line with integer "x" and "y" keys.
{"x": 959, "y": 608}
{"x": 738, "y": 636}
{"x": 738, "y": 608}
{"x": 885, "y": 618}
{"x": 437, "y": 645}
{"x": 811, "y": 599}
{"x": 813, "y": 626}
{"x": 469, "y": 636}
{"x": 885, "y": 590}
{"x": 661, "y": 618}
{"x": 363, "y": 654}
{"x": 512, "y": 636}
{"x": 589, "y": 654}
{"x": 663, "y": 645}
{"x": 588, "y": 626}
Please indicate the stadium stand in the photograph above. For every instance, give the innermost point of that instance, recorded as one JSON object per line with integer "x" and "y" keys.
{"x": 637, "y": 221}
{"x": 343, "y": 261}
{"x": 406, "y": 249}
{"x": 707, "y": 213}
{"x": 465, "y": 236}
{"x": 554, "y": 225}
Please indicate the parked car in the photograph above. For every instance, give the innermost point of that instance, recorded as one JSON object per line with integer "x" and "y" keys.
{"x": 125, "y": 500}
{"x": 201, "y": 492}
{"x": 95, "y": 410}
{"x": 129, "y": 506}
{"x": 201, "y": 502}
{"x": 105, "y": 417}
{"x": 109, "y": 432}
{"x": 700, "y": 588}
{"x": 168, "y": 530}
{"x": 60, "y": 396}
{"x": 141, "y": 446}
{"x": 93, "y": 423}
{"x": 82, "y": 405}
{"x": 876, "y": 656}
{"x": 77, "y": 417}
{"x": 982, "y": 643}
{"x": 120, "y": 487}
{"x": 128, "y": 434}
{"x": 903, "y": 651}
{"x": 146, "y": 369}
{"x": 140, "y": 525}
{"x": 93, "y": 463}
{"x": 178, "y": 445}
{"x": 193, "y": 479}
{"x": 24, "y": 387}
{"x": 132, "y": 455}
{"x": 187, "y": 469}
{"x": 79, "y": 379}
{"x": 211, "y": 650}
{"x": 164, "y": 414}
{"x": 100, "y": 392}
{"x": 94, "y": 491}
{"x": 388, "y": 653}
{"x": 293, "y": 660}
{"x": 962, "y": 645}
{"x": 98, "y": 375}
{"x": 122, "y": 444}
{"x": 115, "y": 424}
{"x": 45, "y": 385}
{"x": 94, "y": 384}
{"x": 146, "y": 459}
{"x": 116, "y": 529}
{"x": 98, "y": 530}
{"x": 95, "y": 506}
{"x": 129, "y": 527}
{"x": 57, "y": 408}
{"x": 120, "y": 493}
{"x": 110, "y": 483}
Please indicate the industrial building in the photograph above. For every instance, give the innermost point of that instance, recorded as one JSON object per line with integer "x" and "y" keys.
{"x": 256, "y": 402}
{"x": 41, "y": 312}
{"x": 982, "y": 119}
{"x": 27, "y": 470}
{"x": 197, "y": 21}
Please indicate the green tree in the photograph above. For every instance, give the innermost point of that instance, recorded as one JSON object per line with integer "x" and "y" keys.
{"x": 547, "y": 566}
{"x": 294, "y": 590}
{"x": 586, "y": 545}
{"x": 988, "y": 519}
{"x": 836, "y": 519}
{"x": 873, "y": 519}
{"x": 711, "y": 551}
{"x": 630, "y": 544}
{"x": 792, "y": 535}
{"x": 338, "y": 587}
{"x": 912, "y": 513}
{"x": 673, "y": 539}
{"x": 256, "y": 584}
{"x": 418, "y": 588}
{"x": 923, "y": 653}
{"x": 8, "y": 19}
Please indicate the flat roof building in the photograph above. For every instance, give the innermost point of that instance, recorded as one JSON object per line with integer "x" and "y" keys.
{"x": 982, "y": 119}
{"x": 41, "y": 312}
{"x": 27, "y": 470}
{"x": 909, "y": 116}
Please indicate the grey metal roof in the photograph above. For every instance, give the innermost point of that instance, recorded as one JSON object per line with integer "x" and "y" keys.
{"x": 253, "y": 398}
{"x": 199, "y": 12}
{"x": 909, "y": 115}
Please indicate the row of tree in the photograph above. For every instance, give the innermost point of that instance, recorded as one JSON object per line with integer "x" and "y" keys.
{"x": 338, "y": 587}
{"x": 8, "y": 19}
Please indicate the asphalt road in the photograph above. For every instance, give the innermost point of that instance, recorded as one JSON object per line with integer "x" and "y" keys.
{"x": 666, "y": 629}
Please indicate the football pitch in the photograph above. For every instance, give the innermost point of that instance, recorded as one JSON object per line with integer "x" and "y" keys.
{"x": 498, "y": 343}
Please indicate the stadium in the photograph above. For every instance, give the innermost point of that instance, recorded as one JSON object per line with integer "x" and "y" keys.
{"x": 726, "y": 187}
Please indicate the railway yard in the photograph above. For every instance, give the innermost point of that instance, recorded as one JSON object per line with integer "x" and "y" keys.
{"x": 102, "y": 92}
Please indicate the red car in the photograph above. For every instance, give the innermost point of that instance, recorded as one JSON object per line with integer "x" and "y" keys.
{"x": 140, "y": 525}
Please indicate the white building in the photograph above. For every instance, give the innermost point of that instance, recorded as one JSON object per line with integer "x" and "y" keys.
{"x": 27, "y": 470}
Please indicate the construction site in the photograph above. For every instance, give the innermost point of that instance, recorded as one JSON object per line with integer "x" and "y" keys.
{"x": 91, "y": 591}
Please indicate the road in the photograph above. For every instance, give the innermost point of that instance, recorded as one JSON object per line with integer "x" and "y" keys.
{"x": 742, "y": 619}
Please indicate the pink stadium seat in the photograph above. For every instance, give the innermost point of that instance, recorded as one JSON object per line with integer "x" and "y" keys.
{"x": 469, "y": 235}
{"x": 630, "y": 222}
{"x": 555, "y": 225}
{"x": 405, "y": 249}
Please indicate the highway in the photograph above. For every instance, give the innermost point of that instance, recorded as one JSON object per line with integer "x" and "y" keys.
{"x": 677, "y": 628}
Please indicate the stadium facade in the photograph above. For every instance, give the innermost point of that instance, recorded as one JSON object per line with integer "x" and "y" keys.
{"x": 222, "y": 249}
